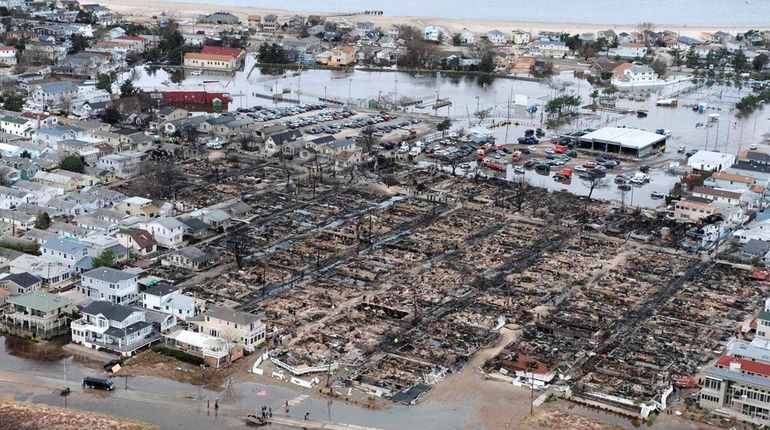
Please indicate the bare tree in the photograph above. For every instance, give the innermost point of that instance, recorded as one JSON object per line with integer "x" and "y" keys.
{"x": 419, "y": 54}
{"x": 409, "y": 33}
{"x": 231, "y": 338}
{"x": 367, "y": 138}
{"x": 483, "y": 114}
{"x": 594, "y": 182}
{"x": 521, "y": 190}
{"x": 623, "y": 196}
{"x": 239, "y": 244}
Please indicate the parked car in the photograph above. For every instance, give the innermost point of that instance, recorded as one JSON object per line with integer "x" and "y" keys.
{"x": 589, "y": 165}
{"x": 98, "y": 383}
{"x": 691, "y": 152}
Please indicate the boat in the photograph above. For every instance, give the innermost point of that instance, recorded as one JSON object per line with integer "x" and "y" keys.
{"x": 419, "y": 75}
{"x": 641, "y": 114}
{"x": 657, "y": 195}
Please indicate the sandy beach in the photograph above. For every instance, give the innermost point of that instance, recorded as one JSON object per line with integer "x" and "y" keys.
{"x": 143, "y": 10}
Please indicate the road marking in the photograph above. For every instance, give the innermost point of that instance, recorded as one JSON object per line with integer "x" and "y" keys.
{"x": 299, "y": 399}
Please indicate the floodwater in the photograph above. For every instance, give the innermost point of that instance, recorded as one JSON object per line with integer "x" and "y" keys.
{"x": 726, "y": 13}
{"x": 504, "y": 97}
{"x": 171, "y": 404}
{"x": 720, "y": 128}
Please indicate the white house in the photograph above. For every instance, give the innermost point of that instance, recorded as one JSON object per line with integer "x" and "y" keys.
{"x": 168, "y": 232}
{"x": 520, "y": 37}
{"x": 18, "y": 125}
{"x": 53, "y": 95}
{"x": 124, "y": 165}
{"x": 169, "y": 299}
{"x": 467, "y": 37}
{"x": 628, "y": 51}
{"x": 710, "y": 161}
{"x": 552, "y": 49}
{"x": 106, "y": 283}
{"x": 113, "y": 327}
{"x": 67, "y": 253}
{"x": 635, "y": 76}
{"x": 11, "y": 197}
{"x": 496, "y": 37}
{"x": 432, "y": 34}
{"x": 7, "y": 56}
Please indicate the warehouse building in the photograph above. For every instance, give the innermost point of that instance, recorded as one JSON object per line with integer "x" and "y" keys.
{"x": 630, "y": 142}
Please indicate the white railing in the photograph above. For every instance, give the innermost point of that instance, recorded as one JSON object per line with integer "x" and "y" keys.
{"x": 303, "y": 369}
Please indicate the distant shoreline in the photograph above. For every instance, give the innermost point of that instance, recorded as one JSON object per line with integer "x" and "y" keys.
{"x": 143, "y": 10}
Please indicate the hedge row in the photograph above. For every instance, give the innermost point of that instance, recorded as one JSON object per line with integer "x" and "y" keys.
{"x": 179, "y": 355}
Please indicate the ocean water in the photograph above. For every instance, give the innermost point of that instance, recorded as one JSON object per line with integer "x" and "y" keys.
{"x": 681, "y": 13}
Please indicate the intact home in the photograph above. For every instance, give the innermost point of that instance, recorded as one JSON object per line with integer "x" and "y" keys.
{"x": 112, "y": 285}
{"x": 169, "y": 299}
{"x": 230, "y": 325}
{"x": 113, "y": 327}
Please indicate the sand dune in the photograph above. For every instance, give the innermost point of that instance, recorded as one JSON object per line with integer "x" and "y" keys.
{"x": 143, "y": 10}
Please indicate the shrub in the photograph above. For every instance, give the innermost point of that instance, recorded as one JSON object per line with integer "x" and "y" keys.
{"x": 179, "y": 355}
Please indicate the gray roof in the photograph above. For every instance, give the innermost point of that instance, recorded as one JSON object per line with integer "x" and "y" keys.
{"x": 195, "y": 224}
{"x": 117, "y": 332}
{"x": 341, "y": 143}
{"x": 286, "y": 136}
{"x": 23, "y": 279}
{"x": 162, "y": 289}
{"x": 58, "y": 87}
{"x": 195, "y": 254}
{"x": 323, "y": 139}
{"x": 756, "y": 247}
{"x": 751, "y": 166}
{"x": 227, "y": 314}
{"x": 759, "y": 381}
{"x": 110, "y": 310}
{"x": 108, "y": 274}
{"x": 67, "y": 246}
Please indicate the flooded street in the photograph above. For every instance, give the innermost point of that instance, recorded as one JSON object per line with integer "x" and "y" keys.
{"x": 171, "y": 404}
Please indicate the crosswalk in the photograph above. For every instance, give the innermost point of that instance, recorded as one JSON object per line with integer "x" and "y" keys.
{"x": 299, "y": 399}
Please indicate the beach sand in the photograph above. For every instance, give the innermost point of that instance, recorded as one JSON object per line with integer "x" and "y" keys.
{"x": 143, "y": 10}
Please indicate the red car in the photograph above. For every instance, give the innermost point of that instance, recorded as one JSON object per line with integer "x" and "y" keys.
{"x": 589, "y": 165}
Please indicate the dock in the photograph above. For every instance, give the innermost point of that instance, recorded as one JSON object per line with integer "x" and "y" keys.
{"x": 304, "y": 424}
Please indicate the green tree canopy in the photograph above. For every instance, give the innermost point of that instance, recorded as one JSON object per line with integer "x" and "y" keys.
{"x": 760, "y": 62}
{"x": 111, "y": 115}
{"x": 42, "y": 221}
{"x": 13, "y": 102}
{"x": 72, "y": 163}
{"x": 127, "y": 89}
{"x": 107, "y": 258}
{"x": 104, "y": 82}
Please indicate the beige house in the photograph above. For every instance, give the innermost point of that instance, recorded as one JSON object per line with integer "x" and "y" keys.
{"x": 138, "y": 207}
{"x": 210, "y": 61}
{"x": 230, "y": 325}
{"x": 214, "y": 351}
{"x": 693, "y": 209}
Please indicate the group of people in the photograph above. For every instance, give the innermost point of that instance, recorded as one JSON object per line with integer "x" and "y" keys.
{"x": 267, "y": 412}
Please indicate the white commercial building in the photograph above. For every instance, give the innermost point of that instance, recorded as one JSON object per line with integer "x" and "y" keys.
{"x": 624, "y": 141}
{"x": 710, "y": 161}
